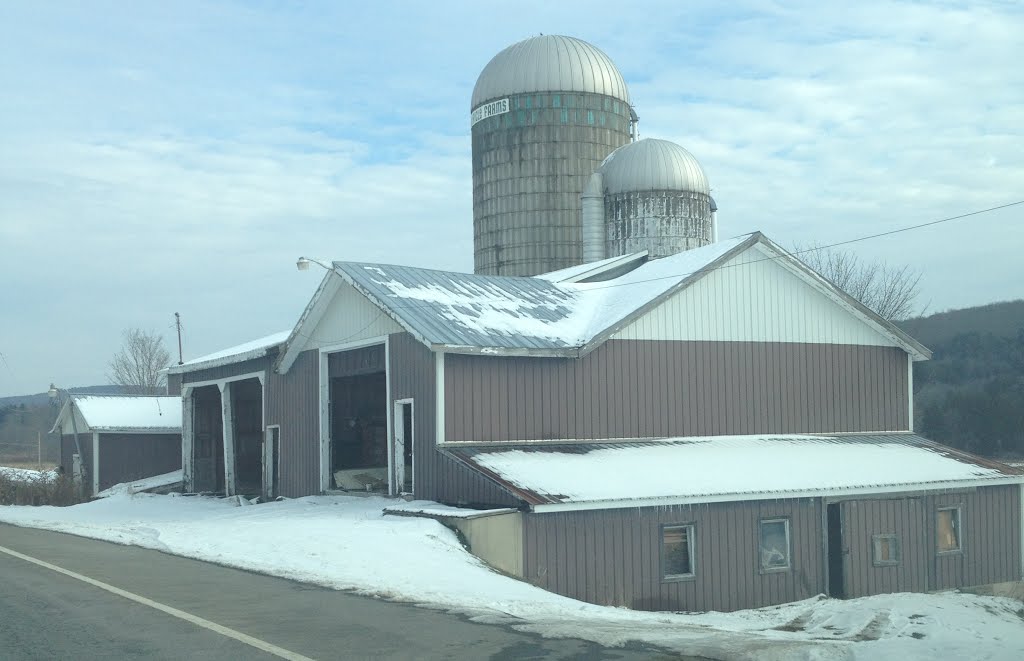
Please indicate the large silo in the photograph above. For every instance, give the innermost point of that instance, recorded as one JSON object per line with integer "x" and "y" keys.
{"x": 545, "y": 113}
{"x": 648, "y": 195}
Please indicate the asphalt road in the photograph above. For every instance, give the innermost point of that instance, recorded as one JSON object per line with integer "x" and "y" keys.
{"x": 45, "y": 614}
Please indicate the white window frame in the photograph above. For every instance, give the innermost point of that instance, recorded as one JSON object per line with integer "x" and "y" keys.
{"x": 760, "y": 546}
{"x": 691, "y": 550}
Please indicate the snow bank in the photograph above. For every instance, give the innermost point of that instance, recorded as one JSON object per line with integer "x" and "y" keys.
{"x": 348, "y": 543}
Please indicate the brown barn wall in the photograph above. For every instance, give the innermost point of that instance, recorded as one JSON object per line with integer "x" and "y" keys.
{"x": 612, "y": 557}
{"x": 436, "y": 476}
{"x": 990, "y": 541}
{"x": 126, "y": 457}
{"x": 646, "y": 388}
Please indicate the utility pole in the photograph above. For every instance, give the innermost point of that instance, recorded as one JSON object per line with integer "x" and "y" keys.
{"x": 177, "y": 323}
{"x": 39, "y": 450}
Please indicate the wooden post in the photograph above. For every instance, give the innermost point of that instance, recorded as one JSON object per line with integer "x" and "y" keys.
{"x": 228, "y": 427}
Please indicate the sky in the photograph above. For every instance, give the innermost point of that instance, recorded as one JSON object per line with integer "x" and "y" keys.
{"x": 179, "y": 157}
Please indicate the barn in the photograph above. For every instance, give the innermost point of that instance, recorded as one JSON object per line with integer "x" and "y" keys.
{"x": 720, "y": 428}
{"x": 109, "y": 439}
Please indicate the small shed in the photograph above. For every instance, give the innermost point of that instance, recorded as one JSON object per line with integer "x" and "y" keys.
{"x": 109, "y": 439}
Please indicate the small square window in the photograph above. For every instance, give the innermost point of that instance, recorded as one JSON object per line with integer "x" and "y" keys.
{"x": 885, "y": 550}
{"x": 774, "y": 545}
{"x": 677, "y": 552}
{"x": 947, "y": 530}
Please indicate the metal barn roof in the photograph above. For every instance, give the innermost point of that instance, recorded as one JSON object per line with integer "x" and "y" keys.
{"x": 461, "y": 311}
{"x": 553, "y": 476}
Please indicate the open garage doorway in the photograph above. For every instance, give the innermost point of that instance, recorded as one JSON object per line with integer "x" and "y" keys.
{"x": 247, "y": 436}
{"x": 358, "y": 420}
{"x": 208, "y": 440}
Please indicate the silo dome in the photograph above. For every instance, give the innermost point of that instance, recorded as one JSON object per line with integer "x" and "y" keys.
{"x": 549, "y": 63}
{"x": 648, "y": 195}
{"x": 650, "y": 165}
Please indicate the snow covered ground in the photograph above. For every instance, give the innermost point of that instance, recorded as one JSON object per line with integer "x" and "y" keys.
{"x": 26, "y": 474}
{"x": 348, "y": 543}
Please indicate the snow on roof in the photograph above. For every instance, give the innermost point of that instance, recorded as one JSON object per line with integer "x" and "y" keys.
{"x": 727, "y": 468}
{"x": 460, "y": 310}
{"x": 236, "y": 354}
{"x": 145, "y": 484}
{"x": 590, "y": 269}
{"x": 128, "y": 413}
{"x": 430, "y": 509}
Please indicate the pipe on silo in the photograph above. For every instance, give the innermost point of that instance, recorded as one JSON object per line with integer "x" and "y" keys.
{"x": 714, "y": 221}
{"x": 593, "y": 219}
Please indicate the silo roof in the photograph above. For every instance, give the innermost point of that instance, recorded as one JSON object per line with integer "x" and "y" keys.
{"x": 650, "y": 164}
{"x": 549, "y": 63}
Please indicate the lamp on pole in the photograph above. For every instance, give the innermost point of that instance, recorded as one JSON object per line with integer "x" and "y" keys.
{"x": 303, "y": 263}
{"x": 54, "y": 392}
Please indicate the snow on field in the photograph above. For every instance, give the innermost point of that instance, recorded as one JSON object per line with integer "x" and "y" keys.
{"x": 348, "y": 543}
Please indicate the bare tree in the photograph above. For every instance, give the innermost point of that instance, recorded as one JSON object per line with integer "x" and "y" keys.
{"x": 137, "y": 365}
{"x": 891, "y": 291}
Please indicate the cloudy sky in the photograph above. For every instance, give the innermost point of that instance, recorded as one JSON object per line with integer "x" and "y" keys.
{"x": 161, "y": 157}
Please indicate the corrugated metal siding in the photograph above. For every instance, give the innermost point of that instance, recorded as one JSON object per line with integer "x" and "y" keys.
{"x": 437, "y": 476}
{"x": 173, "y": 384}
{"x": 990, "y": 541}
{"x": 752, "y": 298}
{"x": 126, "y": 457}
{"x": 645, "y": 389}
{"x": 293, "y": 402}
{"x": 904, "y": 517}
{"x": 613, "y": 557}
{"x": 350, "y": 317}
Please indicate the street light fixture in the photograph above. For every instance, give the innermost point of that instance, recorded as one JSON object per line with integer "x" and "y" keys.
{"x": 303, "y": 263}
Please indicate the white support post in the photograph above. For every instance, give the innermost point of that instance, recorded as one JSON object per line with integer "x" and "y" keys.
{"x": 325, "y": 426}
{"x": 229, "y": 439}
{"x": 910, "y": 392}
{"x": 439, "y": 397}
{"x": 95, "y": 463}
{"x": 187, "y": 439}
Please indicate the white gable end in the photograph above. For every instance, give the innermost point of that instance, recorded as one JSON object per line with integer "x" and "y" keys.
{"x": 754, "y": 298}
{"x": 349, "y": 317}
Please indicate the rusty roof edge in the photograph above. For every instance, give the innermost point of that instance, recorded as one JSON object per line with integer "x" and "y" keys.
{"x": 531, "y": 498}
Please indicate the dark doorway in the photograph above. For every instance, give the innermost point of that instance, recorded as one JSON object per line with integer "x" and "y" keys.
{"x": 247, "y": 435}
{"x": 359, "y": 432}
{"x": 836, "y": 583}
{"x": 207, "y": 440}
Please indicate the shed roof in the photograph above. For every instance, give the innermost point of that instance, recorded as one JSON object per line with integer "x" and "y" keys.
{"x": 607, "y": 475}
{"x": 236, "y": 354}
{"x": 125, "y": 413}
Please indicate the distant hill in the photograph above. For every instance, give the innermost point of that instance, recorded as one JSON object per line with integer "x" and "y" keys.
{"x": 1003, "y": 320}
{"x": 971, "y": 393}
{"x": 39, "y": 399}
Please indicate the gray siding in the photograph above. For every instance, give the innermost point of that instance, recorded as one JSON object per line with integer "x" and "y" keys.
{"x": 227, "y": 371}
{"x": 647, "y": 388}
{"x": 293, "y": 402}
{"x": 127, "y": 457}
{"x": 173, "y": 384}
{"x": 990, "y": 541}
{"x": 436, "y": 476}
{"x": 613, "y": 557}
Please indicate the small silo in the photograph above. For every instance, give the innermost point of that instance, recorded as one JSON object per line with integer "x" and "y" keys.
{"x": 545, "y": 113}
{"x": 648, "y": 195}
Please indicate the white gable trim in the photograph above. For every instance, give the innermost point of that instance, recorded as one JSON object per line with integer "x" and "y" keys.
{"x": 751, "y": 295}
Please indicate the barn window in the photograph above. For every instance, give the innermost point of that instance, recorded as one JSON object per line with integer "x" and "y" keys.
{"x": 677, "y": 552}
{"x": 885, "y": 550}
{"x": 774, "y": 545}
{"x": 947, "y": 530}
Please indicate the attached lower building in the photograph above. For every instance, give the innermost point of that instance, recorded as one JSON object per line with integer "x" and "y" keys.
{"x": 721, "y": 428}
